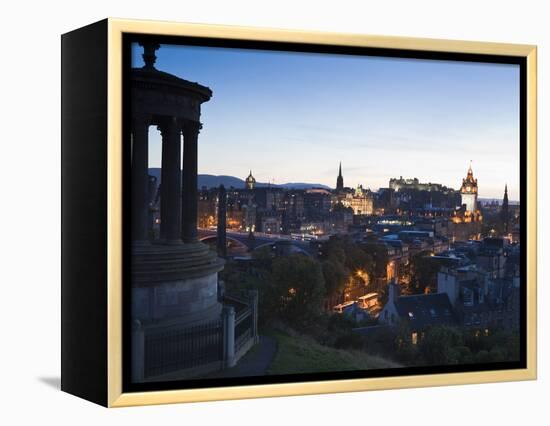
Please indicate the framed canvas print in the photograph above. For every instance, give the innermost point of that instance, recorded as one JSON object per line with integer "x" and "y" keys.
{"x": 251, "y": 212}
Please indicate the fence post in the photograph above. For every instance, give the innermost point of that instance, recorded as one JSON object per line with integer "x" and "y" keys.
{"x": 254, "y": 305}
{"x": 229, "y": 336}
{"x": 138, "y": 352}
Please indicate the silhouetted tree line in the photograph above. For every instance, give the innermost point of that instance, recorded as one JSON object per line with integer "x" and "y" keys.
{"x": 440, "y": 345}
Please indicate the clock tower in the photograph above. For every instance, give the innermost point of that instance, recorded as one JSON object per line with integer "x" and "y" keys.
{"x": 468, "y": 191}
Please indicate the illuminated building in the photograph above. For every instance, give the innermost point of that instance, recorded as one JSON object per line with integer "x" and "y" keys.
{"x": 414, "y": 183}
{"x": 317, "y": 204}
{"x": 410, "y": 196}
{"x": 249, "y": 216}
{"x": 270, "y": 222}
{"x": 235, "y": 218}
{"x": 466, "y": 221}
{"x": 292, "y": 210}
{"x": 250, "y": 182}
{"x": 315, "y": 228}
{"x": 361, "y": 201}
{"x": 207, "y": 208}
{"x": 269, "y": 198}
{"x": 468, "y": 192}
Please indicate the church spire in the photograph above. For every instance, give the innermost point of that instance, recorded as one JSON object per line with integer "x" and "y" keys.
{"x": 340, "y": 179}
{"x": 505, "y": 211}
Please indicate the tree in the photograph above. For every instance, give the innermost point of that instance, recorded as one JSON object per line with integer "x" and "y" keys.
{"x": 344, "y": 262}
{"x": 295, "y": 289}
{"x": 356, "y": 258}
{"x": 345, "y": 254}
{"x": 378, "y": 253}
{"x": 424, "y": 272}
{"x": 335, "y": 275}
{"x": 439, "y": 345}
{"x": 263, "y": 257}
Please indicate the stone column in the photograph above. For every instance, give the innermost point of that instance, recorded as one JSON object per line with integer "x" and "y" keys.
{"x": 222, "y": 211}
{"x": 170, "y": 207}
{"x": 140, "y": 180}
{"x": 229, "y": 335}
{"x": 189, "y": 181}
{"x": 254, "y": 296}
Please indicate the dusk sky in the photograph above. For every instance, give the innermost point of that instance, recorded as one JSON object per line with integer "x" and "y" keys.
{"x": 292, "y": 117}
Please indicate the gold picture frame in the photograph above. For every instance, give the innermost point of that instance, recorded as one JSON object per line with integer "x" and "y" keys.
{"x": 115, "y": 29}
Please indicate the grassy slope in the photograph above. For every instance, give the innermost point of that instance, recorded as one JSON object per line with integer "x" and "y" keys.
{"x": 303, "y": 355}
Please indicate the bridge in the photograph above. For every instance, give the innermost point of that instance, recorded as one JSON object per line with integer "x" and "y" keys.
{"x": 243, "y": 241}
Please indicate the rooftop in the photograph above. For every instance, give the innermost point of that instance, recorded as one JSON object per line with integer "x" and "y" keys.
{"x": 422, "y": 310}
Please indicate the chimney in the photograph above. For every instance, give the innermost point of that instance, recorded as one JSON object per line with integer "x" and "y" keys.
{"x": 393, "y": 291}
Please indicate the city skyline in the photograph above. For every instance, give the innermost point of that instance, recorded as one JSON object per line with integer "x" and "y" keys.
{"x": 470, "y": 111}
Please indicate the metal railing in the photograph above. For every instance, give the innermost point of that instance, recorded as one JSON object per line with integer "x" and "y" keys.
{"x": 244, "y": 324}
{"x": 194, "y": 346}
{"x": 198, "y": 348}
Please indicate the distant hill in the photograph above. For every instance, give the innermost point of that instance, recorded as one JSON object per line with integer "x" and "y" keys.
{"x": 499, "y": 200}
{"x": 213, "y": 181}
{"x": 302, "y": 185}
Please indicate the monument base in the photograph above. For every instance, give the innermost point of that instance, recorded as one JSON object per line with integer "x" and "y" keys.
{"x": 175, "y": 283}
